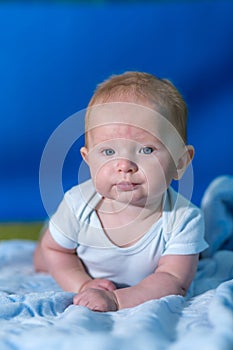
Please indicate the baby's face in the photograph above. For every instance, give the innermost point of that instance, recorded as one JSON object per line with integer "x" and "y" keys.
{"x": 129, "y": 154}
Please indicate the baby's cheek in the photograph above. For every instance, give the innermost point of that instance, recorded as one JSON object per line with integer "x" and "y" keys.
{"x": 102, "y": 171}
{"x": 101, "y": 178}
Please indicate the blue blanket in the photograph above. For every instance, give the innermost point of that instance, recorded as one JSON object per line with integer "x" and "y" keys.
{"x": 36, "y": 314}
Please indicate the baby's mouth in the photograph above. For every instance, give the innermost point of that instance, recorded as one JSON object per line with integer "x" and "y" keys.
{"x": 126, "y": 186}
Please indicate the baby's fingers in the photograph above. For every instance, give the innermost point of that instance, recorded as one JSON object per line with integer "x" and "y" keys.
{"x": 76, "y": 299}
{"x": 84, "y": 298}
{"x": 89, "y": 302}
{"x": 96, "y": 300}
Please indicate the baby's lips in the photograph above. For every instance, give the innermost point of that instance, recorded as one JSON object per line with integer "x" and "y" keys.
{"x": 126, "y": 186}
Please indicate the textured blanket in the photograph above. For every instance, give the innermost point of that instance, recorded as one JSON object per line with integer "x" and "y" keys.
{"x": 36, "y": 314}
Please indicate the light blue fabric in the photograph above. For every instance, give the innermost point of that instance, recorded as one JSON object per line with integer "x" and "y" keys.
{"x": 217, "y": 205}
{"x": 36, "y": 314}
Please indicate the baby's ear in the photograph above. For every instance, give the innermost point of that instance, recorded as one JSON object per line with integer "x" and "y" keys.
{"x": 84, "y": 153}
{"x": 184, "y": 161}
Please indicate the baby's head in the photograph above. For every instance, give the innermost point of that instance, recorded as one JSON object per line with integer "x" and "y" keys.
{"x": 146, "y": 90}
{"x": 140, "y": 109}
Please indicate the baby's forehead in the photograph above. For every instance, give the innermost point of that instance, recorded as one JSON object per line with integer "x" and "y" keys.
{"x": 120, "y": 131}
{"x": 127, "y": 114}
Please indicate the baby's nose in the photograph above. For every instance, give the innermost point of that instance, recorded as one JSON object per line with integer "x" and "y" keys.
{"x": 126, "y": 166}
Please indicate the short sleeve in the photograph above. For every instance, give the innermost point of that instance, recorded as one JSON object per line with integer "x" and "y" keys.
{"x": 64, "y": 225}
{"x": 186, "y": 228}
{"x": 189, "y": 239}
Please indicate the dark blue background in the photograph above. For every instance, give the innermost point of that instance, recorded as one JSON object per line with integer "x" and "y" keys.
{"x": 53, "y": 55}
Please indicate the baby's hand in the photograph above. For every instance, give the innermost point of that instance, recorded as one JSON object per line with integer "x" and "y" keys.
{"x": 97, "y": 300}
{"x": 98, "y": 283}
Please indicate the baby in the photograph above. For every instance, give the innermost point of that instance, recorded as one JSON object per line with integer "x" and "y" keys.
{"x": 125, "y": 236}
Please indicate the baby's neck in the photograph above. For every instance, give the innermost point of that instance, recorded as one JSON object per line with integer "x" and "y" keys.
{"x": 126, "y": 224}
{"x": 114, "y": 207}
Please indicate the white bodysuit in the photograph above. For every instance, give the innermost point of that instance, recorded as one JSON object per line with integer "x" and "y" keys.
{"x": 180, "y": 230}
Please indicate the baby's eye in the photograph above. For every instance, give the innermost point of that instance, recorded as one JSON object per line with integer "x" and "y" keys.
{"x": 108, "y": 152}
{"x": 147, "y": 150}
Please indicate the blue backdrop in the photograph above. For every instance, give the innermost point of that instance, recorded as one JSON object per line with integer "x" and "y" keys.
{"x": 53, "y": 55}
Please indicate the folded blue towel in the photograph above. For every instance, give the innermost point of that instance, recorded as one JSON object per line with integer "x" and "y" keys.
{"x": 217, "y": 204}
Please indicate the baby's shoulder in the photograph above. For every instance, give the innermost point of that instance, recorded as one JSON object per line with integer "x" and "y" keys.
{"x": 179, "y": 211}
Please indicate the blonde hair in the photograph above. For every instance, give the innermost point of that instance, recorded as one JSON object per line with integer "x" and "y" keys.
{"x": 147, "y": 89}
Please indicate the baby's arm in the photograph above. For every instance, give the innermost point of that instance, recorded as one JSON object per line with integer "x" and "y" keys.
{"x": 67, "y": 269}
{"x": 172, "y": 276}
